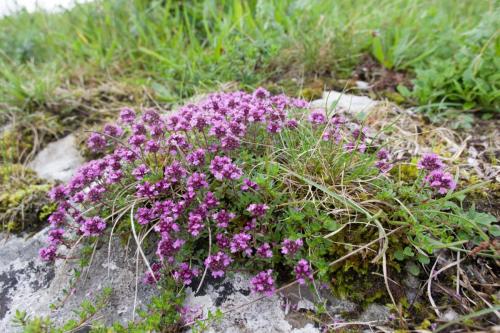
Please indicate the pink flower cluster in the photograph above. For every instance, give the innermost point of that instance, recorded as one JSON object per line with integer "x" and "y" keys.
{"x": 436, "y": 177}
{"x": 173, "y": 174}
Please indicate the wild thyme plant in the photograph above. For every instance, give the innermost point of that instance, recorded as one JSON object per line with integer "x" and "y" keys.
{"x": 248, "y": 182}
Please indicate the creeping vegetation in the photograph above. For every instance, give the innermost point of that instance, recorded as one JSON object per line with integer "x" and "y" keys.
{"x": 262, "y": 184}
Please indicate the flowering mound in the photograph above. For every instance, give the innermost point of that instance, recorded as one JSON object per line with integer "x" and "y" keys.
{"x": 237, "y": 181}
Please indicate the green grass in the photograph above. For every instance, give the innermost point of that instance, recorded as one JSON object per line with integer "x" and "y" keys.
{"x": 177, "y": 48}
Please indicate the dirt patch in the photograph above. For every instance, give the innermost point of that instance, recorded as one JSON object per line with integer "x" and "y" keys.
{"x": 379, "y": 78}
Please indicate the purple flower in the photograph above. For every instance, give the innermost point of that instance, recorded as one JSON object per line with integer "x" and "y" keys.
{"x": 185, "y": 274}
{"x": 257, "y": 210}
{"x": 114, "y": 177}
{"x": 144, "y": 215}
{"x": 127, "y": 115}
{"x": 290, "y": 247}
{"x": 292, "y": 123}
{"x": 383, "y": 163}
{"x": 265, "y": 251}
{"x": 217, "y": 263}
{"x": 55, "y": 236}
{"x": 210, "y": 200}
{"x": 249, "y": 185}
{"x": 222, "y": 218}
{"x": 146, "y": 190}
{"x": 140, "y": 171}
{"x": 303, "y": 271}
{"x": 136, "y": 140}
{"x": 58, "y": 193}
{"x": 93, "y": 226}
{"x": 48, "y": 253}
{"x": 441, "y": 181}
{"x": 195, "y": 224}
{"x": 152, "y": 146}
{"x": 222, "y": 241}
{"x": 152, "y": 277}
{"x": 168, "y": 247}
{"x": 95, "y": 193}
{"x": 196, "y": 158}
{"x": 240, "y": 243}
{"x": 113, "y": 130}
{"x": 196, "y": 181}
{"x": 175, "y": 172}
{"x": 430, "y": 162}
{"x": 57, "y": 217}
{"x": 222, "y": 167}
{"x": 96, "y": 142}
{"x": 263, "y": 283}
{"x": 317, "y": 117}
{"x": 261, "y": 93}
{"x": 150, "y": 116}
{"x": 139, "y": 129}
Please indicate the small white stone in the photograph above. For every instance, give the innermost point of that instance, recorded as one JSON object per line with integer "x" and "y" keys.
{"x": 59, "y": 160}
{"x": 348, "y": 102}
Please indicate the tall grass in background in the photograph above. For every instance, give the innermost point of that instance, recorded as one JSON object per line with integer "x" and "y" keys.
{"x": 179, "y": 47}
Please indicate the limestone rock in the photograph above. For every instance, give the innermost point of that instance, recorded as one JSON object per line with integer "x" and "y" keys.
{"x": 28, "y": 284}
{"x": 346, "y": 102}
{"x": 59, "y": 160}
{"x": 376, "y": 314}
{"x": 266, "y": 315}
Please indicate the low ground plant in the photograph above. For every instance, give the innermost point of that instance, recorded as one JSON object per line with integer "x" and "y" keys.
{"x": 264, "y": 185}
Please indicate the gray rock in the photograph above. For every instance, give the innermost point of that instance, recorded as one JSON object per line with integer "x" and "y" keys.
{"x": 376, "y": 314}
{"x": 264, "y": 316}
{"x": 28, "y": 284}
{"x": 346, "y": 102}
{"x": 21, "y": 273}
{"x": 302, "y": 297}
{"x": 59, "y": 160}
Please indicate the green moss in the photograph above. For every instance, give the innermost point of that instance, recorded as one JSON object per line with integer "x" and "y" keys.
{"x": 23, "y": 200}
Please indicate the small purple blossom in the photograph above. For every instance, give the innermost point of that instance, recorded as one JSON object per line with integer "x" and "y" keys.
{"x": 168, "y": 247}
{"x": 196, "y": 158}
{"x": 195, "y": 224}
{"x": 222, "y": 167}
{"x": 249, "y": 185}
{"x": 241, "y": 243}
{"x": 58, "y": 193}
{"x": 96, "y": 142}
{"x": 222, "y": 218}
{"x": 93, "y": 226}
{"x": 218, "y": 263}
{"x": 265, "y": 251}
{"x": 196, "y": 181}
{"x": 258, "y": 210}
{"x": 154, "y": 276}
{"x": 48, "y": 253}
{"x": 430, "y": 162}
{"x": 127, "y": 115}
{"x": 222, "y": 241}
{"x": 317, "y": 117}
{"x": 113, "y": 130}
{"x": 290, "y": 247}
{"x": 56, "y": 236}
{"x": 441, "y": 181}
{"x": 140, "y": 171}
{"x": 263, "y": 283}
{"x": 303, "y": 271}
{"x": 185, "y": 274}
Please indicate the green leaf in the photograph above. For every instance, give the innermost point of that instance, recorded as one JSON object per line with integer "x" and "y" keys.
{"x": 424, "y": 260}
{"x": 413, "y": 269}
